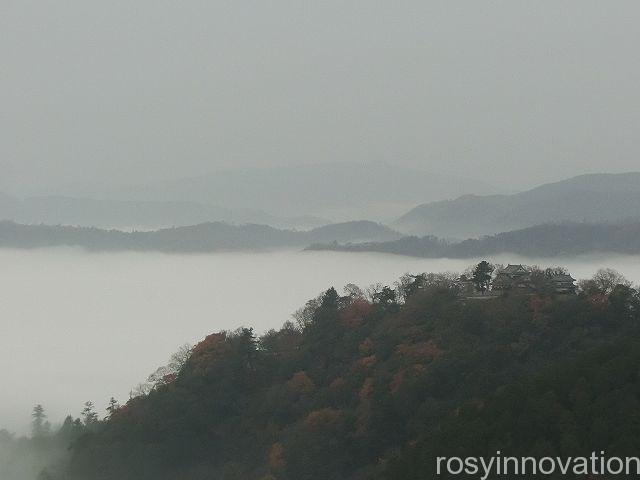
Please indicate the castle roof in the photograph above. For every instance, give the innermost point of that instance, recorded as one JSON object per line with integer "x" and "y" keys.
{"x": 511, "y": 269}
{"x": 563, "y": 277}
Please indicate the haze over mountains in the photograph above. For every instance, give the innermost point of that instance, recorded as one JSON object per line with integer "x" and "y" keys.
{"x": 337, "y": 191}
{"x": 593, "y": 198}
{"x": 607, "y": 205}
{"x": 164, "y": 166}
{"x": 113, "y": 213}
{"x": 205, "y": 237}
{"x": 540, "y": 241}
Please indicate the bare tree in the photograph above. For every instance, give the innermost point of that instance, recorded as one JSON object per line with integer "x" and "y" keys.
{"x": 373, "y": 290}
{"x": 304, "y": 316}
{"x": 604, "y": 281}
{"x": 353, "y": 291}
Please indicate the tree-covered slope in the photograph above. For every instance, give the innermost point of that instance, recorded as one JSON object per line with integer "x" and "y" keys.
{"x": 591, "y": 198}
{"x": 204, "y": 237}
{"x": 377, "y": 388}
{"x": 549, "y": 240}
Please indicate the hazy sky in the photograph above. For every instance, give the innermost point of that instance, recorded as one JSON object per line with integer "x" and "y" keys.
{"x": 507, "y": 91}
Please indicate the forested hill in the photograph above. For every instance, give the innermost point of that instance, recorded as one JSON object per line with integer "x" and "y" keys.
{"x": 598, "y": 198}
{"x": 377, "y": 387}
{"x": 550, "y": 240}
{"x": 204, "y": 237}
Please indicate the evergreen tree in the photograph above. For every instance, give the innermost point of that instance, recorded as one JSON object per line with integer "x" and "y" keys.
{"x": 89, "y": 414}
{"x": 39, "y": 426}
{"x": 482, "y": 276}
{"x": 330, "y": 300}
{"x": 112, "y": 407}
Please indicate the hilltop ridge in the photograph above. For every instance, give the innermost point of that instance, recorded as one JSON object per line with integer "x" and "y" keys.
{"x": 376, "y": 387}
{"x": 204, "y": 237}
{"x": 595, "y": 198}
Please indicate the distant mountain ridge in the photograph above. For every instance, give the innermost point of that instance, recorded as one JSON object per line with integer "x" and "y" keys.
{"x": 89, "y": 212}
{"x": 340, "y": 191}
{"x": 590, "y": 198}
{"x": 550, "y": 240}
{"x": 205, "y": 237}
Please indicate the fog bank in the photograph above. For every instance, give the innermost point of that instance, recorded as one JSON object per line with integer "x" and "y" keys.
{"x": 77, "y": 326}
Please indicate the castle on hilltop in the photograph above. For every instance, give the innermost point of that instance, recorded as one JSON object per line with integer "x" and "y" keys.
{"x": 521, "y": 279}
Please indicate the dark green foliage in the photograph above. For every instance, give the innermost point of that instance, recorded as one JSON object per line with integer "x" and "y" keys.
{"x": 546, "y": 240}
{"x": 39, "y": 425}
{"x": 365, "y": 391}
{"x": 482, "y": 275}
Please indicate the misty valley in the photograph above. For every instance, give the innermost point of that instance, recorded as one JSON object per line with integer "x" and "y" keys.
{"x": 86, "y": 326}
{"x": 92, "y": 327}
{"x": 335, "y": 240}
{"x": 220, "y": 349}
{"x": 133, "y": 310}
